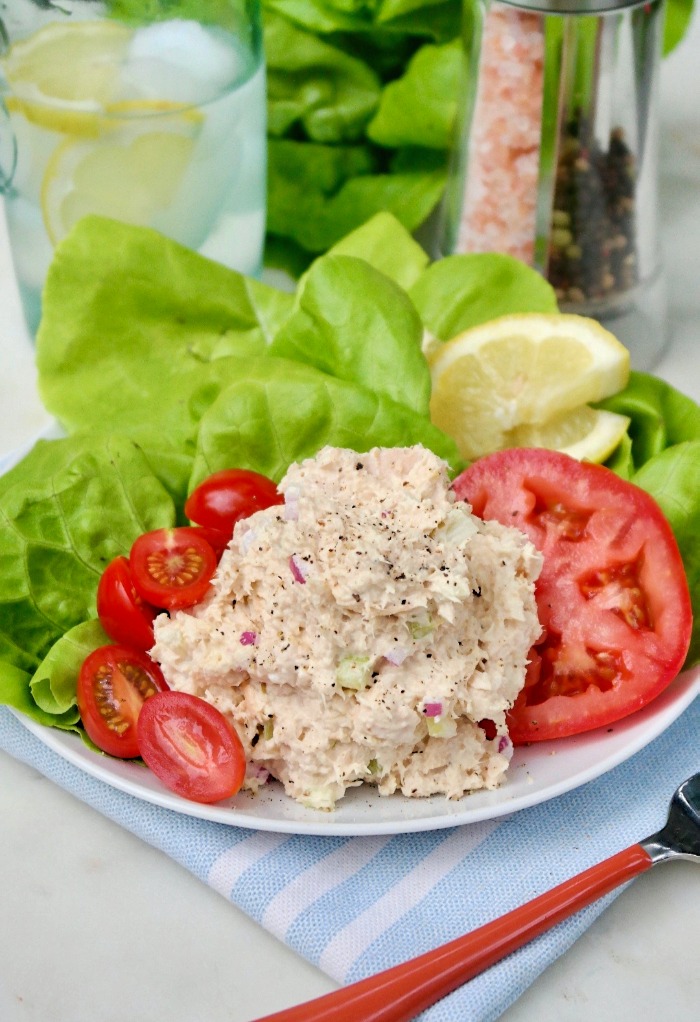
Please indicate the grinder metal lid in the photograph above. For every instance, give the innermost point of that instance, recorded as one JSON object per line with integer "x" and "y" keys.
{"x": 574, "y": 6}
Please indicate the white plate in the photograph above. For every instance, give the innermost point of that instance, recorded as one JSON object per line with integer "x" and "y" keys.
{"x": 537, "y": 773}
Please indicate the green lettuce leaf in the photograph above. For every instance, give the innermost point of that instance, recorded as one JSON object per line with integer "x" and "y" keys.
{"x": 354, "y": 323}
{"x": 678, "y": 15}
{"x": 53, "y": 685}
{"x": 620, "y": 461}
{"x": 433, "y": 19}
{"x": 438, "y": 20}
{"x": 286, "y": 257}
{"x": 150, "y": 292}
{"x": 318, "y": 194}
{"x": 320, "y": 16}
{"x": 329, "y": 93}
{"x": 282, "y": 411}
{"x": 386, "y": 245}
{"x": 15, "y": 692}
{"x": 419, "y": 109}
{"x": 129, "y": 345}
{"x": 660, "y": 415}
{"x": 66, "y": 510}
{"x": 462, "y": 291}
{"x": 671, "y": 477}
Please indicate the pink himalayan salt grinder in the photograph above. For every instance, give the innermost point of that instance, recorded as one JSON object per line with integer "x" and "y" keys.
{"x": 556, "y": 160}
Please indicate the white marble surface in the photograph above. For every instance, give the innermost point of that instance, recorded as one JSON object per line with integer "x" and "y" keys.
{"x": 97, "y": 926}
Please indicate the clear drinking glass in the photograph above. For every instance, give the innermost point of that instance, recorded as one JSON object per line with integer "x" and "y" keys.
{"x": 556, "y": 160}
{"x": 148, "y": 111}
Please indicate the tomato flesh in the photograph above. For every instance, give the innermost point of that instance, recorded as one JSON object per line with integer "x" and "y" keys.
{"x": 226, "y": 497}
{"x": 172, "y": 568}
{"x": 612, "y": 597}
{"x": 216, "y": 539}
{"x": 113, "y": 684}
{"x": 191, "y": 747}
{"x": 123, "y": 614}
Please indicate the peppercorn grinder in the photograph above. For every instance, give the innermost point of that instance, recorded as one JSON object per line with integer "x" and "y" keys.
{"x": 556, "y": 156}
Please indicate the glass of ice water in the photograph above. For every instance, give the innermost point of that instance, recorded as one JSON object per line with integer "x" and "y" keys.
{"x": 148, "y": 111}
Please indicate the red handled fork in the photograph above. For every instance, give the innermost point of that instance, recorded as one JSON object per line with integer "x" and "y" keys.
{"x": 401, "y": 993}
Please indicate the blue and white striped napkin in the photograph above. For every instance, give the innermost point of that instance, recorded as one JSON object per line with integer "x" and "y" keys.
{"x": 354, "y": 906}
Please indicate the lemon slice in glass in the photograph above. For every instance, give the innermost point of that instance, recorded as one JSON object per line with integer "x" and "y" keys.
{"x": 62, "y": 76}
{"x": 132, "y": 171}
{"x": 588, "y": 434}
{"x": 520, "y": 370}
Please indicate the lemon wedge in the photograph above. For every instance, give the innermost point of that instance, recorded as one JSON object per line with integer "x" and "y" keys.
{"x": 521, "y": 370}
{"x": 132, "y": 171}
{"x": 63, "y": 75}
{"x": 587, "y": 434}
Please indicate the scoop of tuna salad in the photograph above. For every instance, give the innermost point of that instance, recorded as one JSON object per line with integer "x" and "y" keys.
{"x": 370, "y": 630}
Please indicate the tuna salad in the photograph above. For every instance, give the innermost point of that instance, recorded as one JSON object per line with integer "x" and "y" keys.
{"x": 370, "y": 630}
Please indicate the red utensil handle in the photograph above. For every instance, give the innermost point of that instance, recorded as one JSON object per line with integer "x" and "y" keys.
{"x": 401, "y": 993}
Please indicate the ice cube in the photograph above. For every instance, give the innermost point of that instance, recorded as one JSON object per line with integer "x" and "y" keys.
{"x": 182, "y": 62}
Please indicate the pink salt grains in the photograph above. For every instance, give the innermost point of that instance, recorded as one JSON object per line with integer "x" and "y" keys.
{"x": 500, "y": 197}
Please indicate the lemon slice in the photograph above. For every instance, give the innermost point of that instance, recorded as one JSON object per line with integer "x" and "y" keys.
{"x": 520, "y": 370}
{"x": 588, "y": 434}
{"x": 132, "y": 171}
{"x": 63, "y": 75}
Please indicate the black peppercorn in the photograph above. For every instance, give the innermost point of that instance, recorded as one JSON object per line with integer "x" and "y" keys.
{"x": 592, "y": 252}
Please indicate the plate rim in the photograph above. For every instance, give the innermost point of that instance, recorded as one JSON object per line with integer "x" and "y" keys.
{"x": 638, "y": 730}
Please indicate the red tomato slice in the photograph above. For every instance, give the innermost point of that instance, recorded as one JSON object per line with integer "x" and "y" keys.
{"x": 172, "y": 568}
{"x": 225, "y": 497}
{"x": 113, "y": 683}
{"x": 612, "y": 597}
{"x": 191, "y": 747}
{"x": 123, "y": 614}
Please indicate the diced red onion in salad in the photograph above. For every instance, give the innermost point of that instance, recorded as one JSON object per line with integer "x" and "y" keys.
{"x": 397, "y": 655}
{"x": 257, "y": 772}
{"x": 504, "y": 743}
{"x": 433, "y": 709}
{"x": 249, "y": 638}
{"x": 291, "y": 504}
{"x": 298, "y": 568}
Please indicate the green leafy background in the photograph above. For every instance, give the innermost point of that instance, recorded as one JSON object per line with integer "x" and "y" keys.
{"x": 362, "y": 98}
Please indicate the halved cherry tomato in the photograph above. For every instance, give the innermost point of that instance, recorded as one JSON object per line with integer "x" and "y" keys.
{"x": 612, "y": 596}
{"x": 217, "y": 540}
{"x": 172, "y": 568}
{"x": 191, "y": 747}
{"x": 225, "y": 497}
{"x": 113, "y": 683}
{"x": 123, "y": 614}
